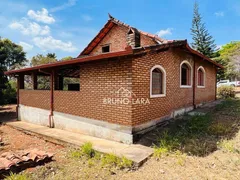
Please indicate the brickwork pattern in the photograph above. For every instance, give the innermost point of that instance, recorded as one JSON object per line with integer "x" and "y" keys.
{"x": 101, "y": 79}
{"x": 98, "y": 80}
{"x": 35, "y": 98}
{"x": 176, "y": 97}
{"x": 117, "y": 38}
{"x": 208, "y": 92}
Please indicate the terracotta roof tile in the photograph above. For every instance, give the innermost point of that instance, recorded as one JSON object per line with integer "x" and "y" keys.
{"x": 9, "y": 159}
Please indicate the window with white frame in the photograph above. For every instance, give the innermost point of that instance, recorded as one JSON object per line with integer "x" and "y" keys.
{"x": 201, "y": 77}
{"x": 185, "y": 74}
{"x": 157, "y": 81}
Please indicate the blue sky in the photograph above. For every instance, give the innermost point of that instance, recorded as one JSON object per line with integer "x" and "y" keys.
{"x": 66, "y": 26}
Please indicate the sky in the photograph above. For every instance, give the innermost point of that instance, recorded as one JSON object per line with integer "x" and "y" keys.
{"x": 65, "y": 27}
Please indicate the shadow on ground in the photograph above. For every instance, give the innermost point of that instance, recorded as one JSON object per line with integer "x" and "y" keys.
{"x": 197, "y": 135}
{"x": 7, "y": 113}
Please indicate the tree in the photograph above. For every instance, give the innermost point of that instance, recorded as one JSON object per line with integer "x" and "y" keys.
{"x": 51, "y": 55}
{"x": 41, "y": 59}
{"x": 11, "y": 57}
{"x": 229, "y": 57}
{"x": 66, "y": 58}
{"x": 43, "y": 81}
{"x": 202, "y": 40}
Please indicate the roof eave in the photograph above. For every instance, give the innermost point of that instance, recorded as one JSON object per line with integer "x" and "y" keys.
{"x": 127, "y": 52}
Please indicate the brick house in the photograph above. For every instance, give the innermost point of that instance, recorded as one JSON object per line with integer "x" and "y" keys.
{"x": 128, "y": 82}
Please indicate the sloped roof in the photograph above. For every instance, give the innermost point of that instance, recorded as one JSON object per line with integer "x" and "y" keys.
{"x": 107, "y": 27}
{"x": 127, "y": 52}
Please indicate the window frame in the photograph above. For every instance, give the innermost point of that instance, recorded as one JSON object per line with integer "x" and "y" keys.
{"x": 164, "y": 82}
{"x": 204, "y": 77}
{"x": 191, "y": 74}
{"x": 105, "y": 45}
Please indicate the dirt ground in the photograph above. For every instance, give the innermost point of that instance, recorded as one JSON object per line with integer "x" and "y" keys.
{"x": 222, "y": 163}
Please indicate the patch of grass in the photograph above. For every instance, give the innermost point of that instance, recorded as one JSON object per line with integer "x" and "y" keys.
{"x": 198, "y": 147}
{"x": 111, "y": 160}
{"x": 226, "y": 145}
{"x": 107, "y": 160}
{"x": 85, "y": 150}
{"x": 160, "y": 151}
{"x": 88, "y": 150}
{"x": 125, "y": 163}
{"x": 14, "y": 176}
{"x": 197, "y": 124}
{"x": 181, "y": 158}
{"x": 76, "y": 154}
{"x": 185, "y": 136}
{"x": 219, "y": 129}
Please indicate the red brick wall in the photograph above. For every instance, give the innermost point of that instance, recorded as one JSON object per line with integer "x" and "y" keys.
{"x": 176, "y": 97}
{"x": 98, "y": 80}
{"x": 117, "y": 38}
{"x": 35, "y": 98}
{"x": 207, "y": 93}
{"x": 146, "y": 41}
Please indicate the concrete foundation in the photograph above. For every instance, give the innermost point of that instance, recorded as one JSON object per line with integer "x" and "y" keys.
{"x": 33, "y": 115}
{"x": 91, "y": 127}
{"x": 77, "y": 124}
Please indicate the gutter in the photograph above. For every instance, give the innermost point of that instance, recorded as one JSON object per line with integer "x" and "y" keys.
{"x": 18, "y": 86}
{"x": 50, "y": 117}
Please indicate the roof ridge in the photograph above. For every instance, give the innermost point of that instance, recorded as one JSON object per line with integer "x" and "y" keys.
{"x": 154, "y": 36}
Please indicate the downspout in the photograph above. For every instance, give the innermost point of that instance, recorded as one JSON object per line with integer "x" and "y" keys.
{"x": 194, "y": 81}
{"x": 51, "y": 125}
{"x": 18, "y": 86}
{"x": 50, "y": 117}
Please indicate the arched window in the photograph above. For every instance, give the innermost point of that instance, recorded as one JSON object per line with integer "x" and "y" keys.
{"x": 158, "y": 82}
{"x": 201, "y": 77}
{"x": 185, "y": 74}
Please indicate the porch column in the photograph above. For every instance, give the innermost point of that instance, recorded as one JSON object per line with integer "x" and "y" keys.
{"x": 21, "y": 81}
{"x": 34, "y": 80}
{"x": 51, "y": 123}
{"x": 18, "y": 86}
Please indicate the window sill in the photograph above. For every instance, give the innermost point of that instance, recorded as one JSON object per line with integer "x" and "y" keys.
{"x": 185, "y": 86}
{"x": 157, "y": 95}
{"x": 200, "y": 86}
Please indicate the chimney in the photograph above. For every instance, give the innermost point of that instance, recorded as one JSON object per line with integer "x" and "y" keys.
{"x": 133, "y": 37}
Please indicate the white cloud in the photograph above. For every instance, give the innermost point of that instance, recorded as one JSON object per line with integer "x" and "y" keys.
{"x": 30, "y": 28}
{"x": 26, "y": 46}
{"x": 41, "y": 16}
{"x": 49, "y": 43}
{"x": 219, "y": 14}
{"x": 86, "y": 17}
{"x": 68, "y": 4}
{"x": 165, "y": 32}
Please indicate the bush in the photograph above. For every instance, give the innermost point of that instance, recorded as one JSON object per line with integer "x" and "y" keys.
{"x": 88, "y": 150}
{"x": 226, "y": 92}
